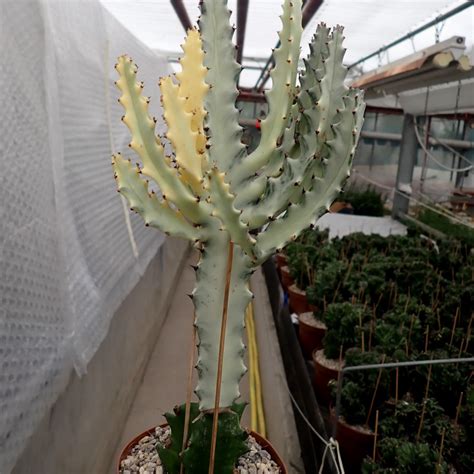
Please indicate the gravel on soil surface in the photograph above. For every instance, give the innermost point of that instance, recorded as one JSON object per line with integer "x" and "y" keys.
{"x": 311, "y": 320}
{"x": 144, "y": 457}
{"x": 329, "y": 363}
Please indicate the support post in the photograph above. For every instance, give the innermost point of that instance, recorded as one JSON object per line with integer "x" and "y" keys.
{"x": 406, "y": 164}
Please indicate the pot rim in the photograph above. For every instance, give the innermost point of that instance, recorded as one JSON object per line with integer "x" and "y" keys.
{"x": 317, "y": 361}
{"x": 263, "y": 442}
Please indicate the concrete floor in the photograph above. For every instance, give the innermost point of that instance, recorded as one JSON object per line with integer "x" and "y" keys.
{"x": 164, "y": 382}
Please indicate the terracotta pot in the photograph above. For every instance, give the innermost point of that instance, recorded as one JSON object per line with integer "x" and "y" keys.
{"x": 298, "y": 300}
{"x": 286, "y": 278}
{"x": 323, "y": 374}
{"x": 311, "y": 332}
{"x": 281, "y": 260}
{"x": 313, "y": 309}
{"x": 356, "y": 442}
{"x": 264, "y": 443}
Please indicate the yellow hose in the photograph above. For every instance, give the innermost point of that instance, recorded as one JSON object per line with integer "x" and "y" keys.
{"x": 253, "y": 404}
{"x": 256, "y": 399}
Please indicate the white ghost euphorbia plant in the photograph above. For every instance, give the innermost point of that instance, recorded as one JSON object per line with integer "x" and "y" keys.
{"x": 212, "y": 192}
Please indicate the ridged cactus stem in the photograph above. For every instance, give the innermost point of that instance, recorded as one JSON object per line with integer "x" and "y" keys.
{"x": 208, "y": 299}
{"x": 213, "y": 194}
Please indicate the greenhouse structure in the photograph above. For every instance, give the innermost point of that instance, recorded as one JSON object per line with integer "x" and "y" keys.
{"x": 236, "y": 236}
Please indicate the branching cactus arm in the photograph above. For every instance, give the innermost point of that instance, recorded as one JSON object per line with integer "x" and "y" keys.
{"x": 147, "y": 145}
{"x": 222, "y": 119}
{"x": 193, "y": 88}
{"x": 155, "y": 212}
{"x": 324, "y": 189}
{"x": 279, "y": 98}
{"x": 318, "y": 102}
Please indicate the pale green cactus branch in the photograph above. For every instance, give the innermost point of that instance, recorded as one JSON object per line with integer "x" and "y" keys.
{"x": 180, "y": 133}
{"x": 146, "y": 144}
{"x": 208, "y": 298}
{"x": 332, "y": 83}
{"x": 223, "y": 202}
{"x": 302, "y": 160}
{"x": 316, "y": 201}
{"x": 222, "y": 118}
{"x": 279, "y": 99}
{"x": 154, "y": 212}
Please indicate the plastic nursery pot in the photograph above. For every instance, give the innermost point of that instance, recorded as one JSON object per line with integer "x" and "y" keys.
{"x": 286, "y": 278}
{"x": 311, "y": 332}
{"x": 356, "y": 442}
{"x": 325, "y": 370}
{"x": 281, "y": 260}
{"x": 264, "y": 443}
{"x": 298, "y": 300}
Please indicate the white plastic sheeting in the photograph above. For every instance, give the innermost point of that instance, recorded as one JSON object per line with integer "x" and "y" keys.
{"x": 69, "y": 249}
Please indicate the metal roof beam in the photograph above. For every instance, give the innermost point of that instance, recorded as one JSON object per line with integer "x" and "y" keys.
{"x": 242, "y": 10}
{"x": 182, "y": 13}
{"x": 433, "y": 22}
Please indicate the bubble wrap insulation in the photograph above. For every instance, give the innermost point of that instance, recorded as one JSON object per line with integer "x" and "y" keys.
{"x": 70, "y": 251}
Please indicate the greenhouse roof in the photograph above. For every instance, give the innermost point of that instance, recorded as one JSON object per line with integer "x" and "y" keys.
{"x": 369, "y": 25}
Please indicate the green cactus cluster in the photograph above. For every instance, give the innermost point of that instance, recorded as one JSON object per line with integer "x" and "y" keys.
{"x": 212, "y": 192}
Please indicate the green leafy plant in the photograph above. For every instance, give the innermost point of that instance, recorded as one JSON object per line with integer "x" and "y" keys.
{"x": 360, "y": 386}
{"x": 345, "y": 323}
{"x": 443, "y": 224}
{"x": 214, "y": 194}
{"x": 365, "y": 202}
{"x": 403, "y": 457}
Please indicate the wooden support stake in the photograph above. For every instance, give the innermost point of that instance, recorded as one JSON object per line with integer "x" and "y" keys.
{"x": 427, "y": 336}
{"x": 375, "y": 435}
{"x": 422, "y": 417}
{"x": 221, "y": 359}
{"x": 454, "y": 326}
{"x": 458, "y": 409}
{"x": 460, "y": 350}
{"x": 468, "y": 334}
{"x": 377, "y": 383}
{"x": 396, "y": 385}
{"x": 440, "y": 456}
{"x": 189, "y": 394}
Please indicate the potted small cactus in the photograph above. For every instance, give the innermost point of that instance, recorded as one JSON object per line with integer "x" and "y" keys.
{"x": 237, "y": 208}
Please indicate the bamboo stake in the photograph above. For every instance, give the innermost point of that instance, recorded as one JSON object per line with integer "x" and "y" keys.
{"x": 396, "y": 295}
{"x": 392, "y": 284}
{"x": 375, "y": 435}
{"x": 468, "y": 334}
{"x": 427, "y": 334}
{"x": 440, "y": 457}
{"x": 422, "y": 418}
{"x": 336, "y": 292}
{"x": 396, "y": 385}
{"x": 458, "y": 409}
{"x": 221, "y": 359}
{"x": 375, "y": 392}
{"x": 363, "y": 342}
{"x": 408, "y": 301}
{"x": 460, "y": 350}
{"x": 379, "y": 300}
{"x": 371, "y": 330}
{"x": 454, "y": 326}
{"x": 189, "y": 394}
